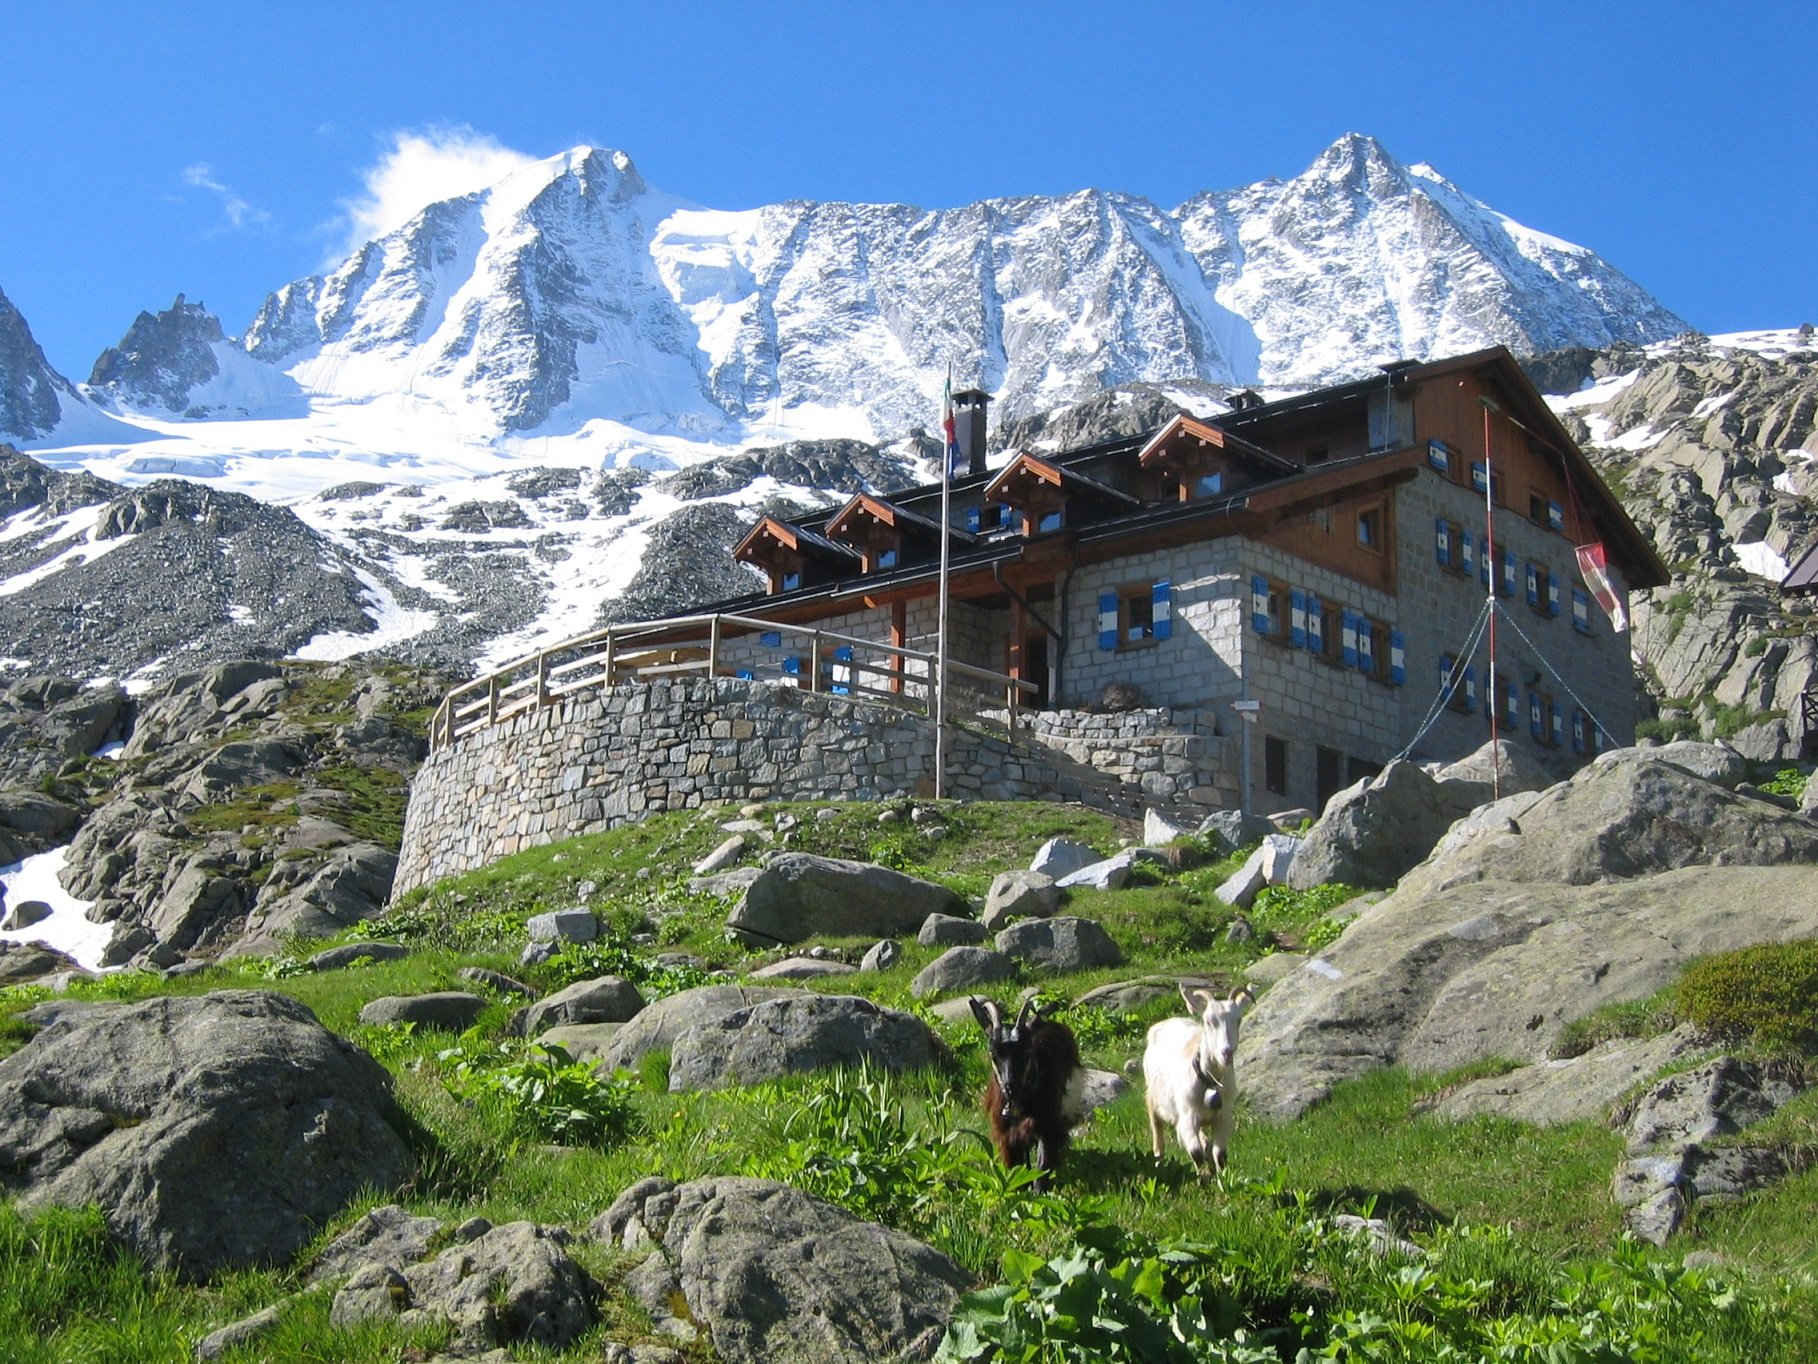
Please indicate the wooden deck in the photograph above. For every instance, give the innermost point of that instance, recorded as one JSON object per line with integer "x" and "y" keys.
{"x": 745, "y": 647}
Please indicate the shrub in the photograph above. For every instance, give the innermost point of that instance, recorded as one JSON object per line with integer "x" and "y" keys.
{"x": 1767, "y": 993}
{"x": 1788, "y": 781}
{"x": 545, "y": 1093}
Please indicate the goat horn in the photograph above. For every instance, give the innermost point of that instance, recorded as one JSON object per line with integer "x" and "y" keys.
{"x": 1022, "y": 1015}
{"x": 987, "y": 1013}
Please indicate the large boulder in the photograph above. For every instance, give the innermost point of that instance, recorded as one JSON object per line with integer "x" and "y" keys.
{"x": 1060, "y": 944}
{"x": 799, "y": 896}
{"x": 215, "y": 1133}
{"x": 795, "y": 1034}
{"x": 507, "y": 1284}
{"x": 1373, "y": 832}
{"x": 1020, "y": 895}
{"x": 1625, "y": 815}
{"x": 605, "y": 999}
{"x": 962, "y": 968}
{"x": 658, "y": 1025}
{"x": 777, "y": 1276}
{"x": 1434, "y": 978}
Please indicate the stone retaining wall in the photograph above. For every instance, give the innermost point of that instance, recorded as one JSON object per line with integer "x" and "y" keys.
{"x": 611, "y": 757}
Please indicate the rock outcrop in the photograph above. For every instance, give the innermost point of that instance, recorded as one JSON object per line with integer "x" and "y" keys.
{"x": 216, "y": 1133}
{"x": 773, "y": 1275}
{"x": 1532, "y": 913}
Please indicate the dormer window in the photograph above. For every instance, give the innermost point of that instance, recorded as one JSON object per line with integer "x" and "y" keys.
{"x": 887, "y": 557}
{"x": 791, "y": 581}
{"x": 1050, "y": 520}
{"x": 1209, "y": 484}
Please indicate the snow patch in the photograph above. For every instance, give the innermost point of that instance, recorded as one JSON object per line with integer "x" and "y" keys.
{"x": 1762, "y": 559}
{"x": 391, "y": 624}
{"x": 67, "y": 929}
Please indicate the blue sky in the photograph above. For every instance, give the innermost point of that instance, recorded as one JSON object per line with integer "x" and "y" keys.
{"x": 221, "y": 150}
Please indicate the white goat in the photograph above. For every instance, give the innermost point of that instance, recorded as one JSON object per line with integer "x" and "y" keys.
{"x": 1190, "y": 1076}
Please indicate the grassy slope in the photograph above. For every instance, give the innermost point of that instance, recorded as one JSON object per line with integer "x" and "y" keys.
{"x": 1518, "y": 1221}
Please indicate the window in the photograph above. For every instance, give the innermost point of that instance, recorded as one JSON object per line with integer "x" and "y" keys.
{"x": 886, "y": 557}
{"x": 1049, "y": 520}
{"x": 1360, "y": 769}
{"x": 1479, "y": 474}
{"x": 1452, "y": 548}
{"x": 1269, "y": 608}
{"x": 791, "y": 580}
{"x": 1136, "y": 615}
{"x": 1323, "y": 629}
{"x": 1209, "y": 485}
{"x": 1537, "y": 507}
{"x": 1328, "y": 774}
{"x": 1534, "y": 580}
{"x": 1370, "y": 528}
{"x": 1439, "y": 456}
{"x": 991, "y": 516}
{"x": 1275, "y": 765}
{"x": 1581, "y": 611}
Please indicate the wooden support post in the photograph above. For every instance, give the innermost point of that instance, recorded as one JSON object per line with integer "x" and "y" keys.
{"x": 713, "y": 647}
{"x": 814, "y": 662}
{"x": 542, "y": 680}
{"x": 608, "y": 677}
{"x": 492, "y": 699}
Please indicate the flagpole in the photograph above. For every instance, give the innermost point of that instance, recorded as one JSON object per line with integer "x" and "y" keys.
{"x": 1489, "y": 551}
{"x": 940, "y": 628}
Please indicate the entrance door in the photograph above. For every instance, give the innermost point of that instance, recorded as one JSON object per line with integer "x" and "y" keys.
{"x": 1035, "y": 669}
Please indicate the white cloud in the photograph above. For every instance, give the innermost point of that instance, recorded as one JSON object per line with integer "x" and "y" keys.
{"x": 240, "y": 214}
{"x": 419, "y": 169}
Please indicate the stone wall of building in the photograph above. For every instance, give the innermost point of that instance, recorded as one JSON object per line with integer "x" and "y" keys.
{"x": 601, "y": 759}
{"x": 1196, "y": 666}
{"x": 1312, "y": 705}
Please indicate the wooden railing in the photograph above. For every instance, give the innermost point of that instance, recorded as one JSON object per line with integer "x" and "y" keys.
{"x": 745, "y": 647}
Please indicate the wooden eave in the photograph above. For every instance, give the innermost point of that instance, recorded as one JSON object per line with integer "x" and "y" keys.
{"x": 751, "y": 549}
{"x": 1029, "y": 481}
{"x": 1186, "y": 438}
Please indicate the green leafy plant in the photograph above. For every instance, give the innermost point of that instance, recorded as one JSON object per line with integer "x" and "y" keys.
{"x": 1788, "y": 781}
{"x": 545, "y": 1092}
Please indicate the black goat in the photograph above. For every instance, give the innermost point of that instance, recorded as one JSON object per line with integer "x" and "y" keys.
{"x": 1037, "y": 1091}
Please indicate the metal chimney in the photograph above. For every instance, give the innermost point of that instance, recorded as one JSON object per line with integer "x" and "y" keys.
{"x": 969, "y": 427}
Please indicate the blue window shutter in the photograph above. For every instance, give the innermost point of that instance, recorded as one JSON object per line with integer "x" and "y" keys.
{"x": 1366, "y": 645}
{"x": 1558, "y": 719}
{"x": 1470, "y": 691}
{"x": 974, "y": 520}
{"x": 1485, "y": 566}
{"x": 1581, "y": 611}
{"x": 1398, "y": 658}
{"x": 1577, "y": 730}
{"x": 840, "y": 674}
{"x": 1350, "y": 639}
{"x": 1552, "y": 594}
{"x": 745, "y": 675}
{"x": 1259, "y": 605}
{"x": 1480, "y": 477}
{"x": 1532, "y": 584}
{"x": 1467, "y": 553}
{"x": 1297, "y": 621}
{"x": 1555, "y": 516}
{"x": 1536, "y": 716}
{"x": 1439, "y": 455}
{"x": 771, "y": 639}
{"x": 1445, "y": 678}
{"x": 1442, "y": 543}
{"x": 1107, "y": 620}
{"x": 1316, "y": 624}
{"x": 1162, "y": 601}
{"x": 1508, "y": 576}
{"x": 1512, "y": 708}
{"x": 792, "y": 665}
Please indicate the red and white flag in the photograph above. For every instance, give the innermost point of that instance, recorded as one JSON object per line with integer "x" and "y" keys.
{"x": 1595, "y": 566}
{"x": 950, "y": 451}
